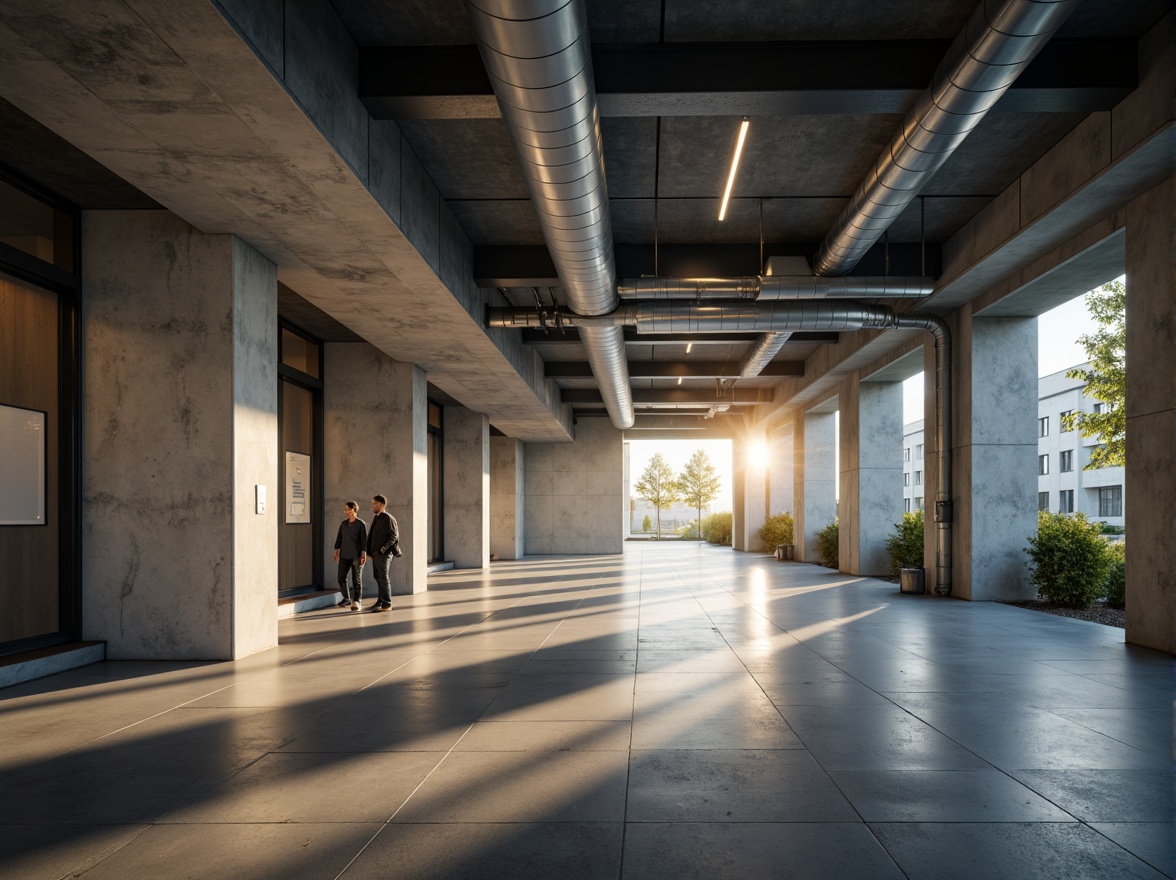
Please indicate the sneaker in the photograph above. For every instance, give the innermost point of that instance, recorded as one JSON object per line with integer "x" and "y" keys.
{"x": 343, "y": 603}
{"x": 375, "y": 607}
{"x": 354, "y": 606}
{"x": 379, "y": 607}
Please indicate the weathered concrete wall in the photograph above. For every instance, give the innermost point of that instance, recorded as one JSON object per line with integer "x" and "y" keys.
{"x": 180, "y": 408}
{"x": 871, "y": 474}
{"x": 995, "y": 457}
{"x": 376, "y": 428}
{"x": 575, "y": 494}
{"x": 814, "y": 474}
{"x": 309, "y": 51}
{"x": 1151, "y": 419}
{"x": 507, "y": 494}
{"x": 466, "y": 476}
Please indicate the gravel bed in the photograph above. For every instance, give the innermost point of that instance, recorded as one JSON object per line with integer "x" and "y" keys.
{"x": 1097, "y": 613}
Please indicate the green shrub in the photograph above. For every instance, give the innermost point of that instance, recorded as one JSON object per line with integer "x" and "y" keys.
{"x": 1115, "y": 586}
{"x": 1108, "y": 529}
{"x": 1068, "y": 559}
{"x": 777, "y": 530}
{"x": 905, "y": 546}
{"x": 646, "y": 524}
{"x": 689, "y": 531}
{"x": 829, "y": 545}
{"x": 716, "y": 529}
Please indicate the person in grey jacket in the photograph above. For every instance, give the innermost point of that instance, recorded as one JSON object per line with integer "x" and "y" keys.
{"x": 351, "y": 554}
{"x": 382, "y": 539}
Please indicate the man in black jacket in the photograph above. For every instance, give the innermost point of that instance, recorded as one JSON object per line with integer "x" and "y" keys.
{"x": 351, "y": 554}
{"x": 382, "y": 540}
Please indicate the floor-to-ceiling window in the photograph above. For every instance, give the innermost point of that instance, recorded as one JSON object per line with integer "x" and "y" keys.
{"x": 300, "y": 421}
{"x": 436, "y": 511}
{"x": 40, "y": 539}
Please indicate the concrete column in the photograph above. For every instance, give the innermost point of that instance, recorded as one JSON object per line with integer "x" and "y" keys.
{"x": 871, "y": 474}
{"x": 815, "y": 486}
{"x": 179, "y": 339}
{"x": 376, "y": 428}
{"x": 781, "y": 488}
{"x": 466, "y": 477}
{"x": 1150, "y": 479}
{"x": 506, "y": 497}
{"x": 750, "y": 497}
{"x": 995, "y": 457}
{"x": 738, "y": 494}
{"x": 574, "y": 499}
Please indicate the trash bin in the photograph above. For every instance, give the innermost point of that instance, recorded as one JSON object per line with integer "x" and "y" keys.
{"x": 912, "y": 580}
{"x": 784, "y": 552}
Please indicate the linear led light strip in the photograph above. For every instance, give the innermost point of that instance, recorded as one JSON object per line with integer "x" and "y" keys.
{"x": 734, "y": 167}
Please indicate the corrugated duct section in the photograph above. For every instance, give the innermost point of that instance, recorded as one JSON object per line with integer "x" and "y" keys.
{"x": 539, "y": 59}
{"x": 998, "y": 42}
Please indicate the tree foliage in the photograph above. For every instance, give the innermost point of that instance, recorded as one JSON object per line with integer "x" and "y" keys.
{"x": 699, "y": 483}
{"x": 1106, "y": 379}
{"x": 658, "y": 486}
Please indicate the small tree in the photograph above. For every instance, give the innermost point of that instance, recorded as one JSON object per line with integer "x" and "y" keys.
{"x": 829, "y": 545}
{"x": 1068, "y": 559}
{"x": 698, "y": 484}
{"x": 646, "y": 524}
{"x": 1106, "y": 380}
{"x": 776, "y": 530}
{"x": 657, "y": 486}
{"x": 905, "y": 546}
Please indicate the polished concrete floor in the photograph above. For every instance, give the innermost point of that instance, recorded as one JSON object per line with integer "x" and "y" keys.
{"x": 680, "y": 711}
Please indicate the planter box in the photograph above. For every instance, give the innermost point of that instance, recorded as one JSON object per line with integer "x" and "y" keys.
{"x": 785, "y": 552}
{"x": 912, "y": 580}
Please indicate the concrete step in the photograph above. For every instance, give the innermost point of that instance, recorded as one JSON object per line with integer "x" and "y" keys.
{"x": 291, "y": 605}
{"x": 27, "y": 665}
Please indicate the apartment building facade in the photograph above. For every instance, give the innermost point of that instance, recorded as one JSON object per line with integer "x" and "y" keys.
{"x": 1063, "y": 486}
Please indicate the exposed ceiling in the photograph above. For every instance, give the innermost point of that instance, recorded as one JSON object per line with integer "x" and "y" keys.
{"x": 825, "y": 85}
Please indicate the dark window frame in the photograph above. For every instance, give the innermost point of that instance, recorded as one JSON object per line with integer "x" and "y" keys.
{"x": 68, "y": 287}
{"x": 314, "y": 384}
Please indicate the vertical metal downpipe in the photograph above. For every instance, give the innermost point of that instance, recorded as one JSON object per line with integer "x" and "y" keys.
{"x": 539, "y": 59}
{"x": 944, "y": 514}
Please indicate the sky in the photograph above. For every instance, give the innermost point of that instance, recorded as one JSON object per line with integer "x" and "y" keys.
{"x": 1057, "y": 349}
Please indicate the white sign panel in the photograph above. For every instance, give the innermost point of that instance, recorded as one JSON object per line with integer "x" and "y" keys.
{"x": 297, "y": 487}
{"x": 22, "y": 467}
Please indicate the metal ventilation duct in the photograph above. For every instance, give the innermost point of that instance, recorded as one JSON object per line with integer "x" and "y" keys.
{"x": 761, "y": 353}
{"x": 539, "y": 59}
{"x": 675, "y": 316}
{"x": 997, "y": 43}
{"x": 764, "y": 287}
